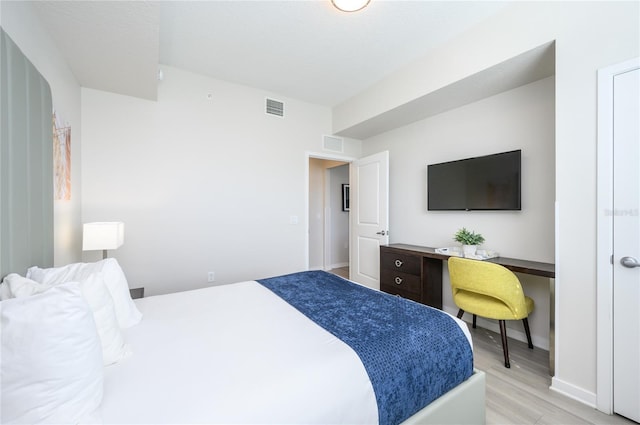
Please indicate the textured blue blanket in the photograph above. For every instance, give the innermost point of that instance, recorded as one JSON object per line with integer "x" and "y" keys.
{"x": 412, "y": 353}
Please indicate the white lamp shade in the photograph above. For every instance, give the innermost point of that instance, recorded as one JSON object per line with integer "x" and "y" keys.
{"x": 102, "y": 235}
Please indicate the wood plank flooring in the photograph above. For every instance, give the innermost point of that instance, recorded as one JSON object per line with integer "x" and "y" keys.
{"x": 342, "y": 271}
{"x": 521, "y": 395}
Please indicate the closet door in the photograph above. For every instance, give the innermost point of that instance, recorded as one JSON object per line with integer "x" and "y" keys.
{"x": 626, "y": 244}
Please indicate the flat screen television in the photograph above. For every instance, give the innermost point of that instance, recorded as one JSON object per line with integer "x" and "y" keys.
{"x": 490, "y": 182}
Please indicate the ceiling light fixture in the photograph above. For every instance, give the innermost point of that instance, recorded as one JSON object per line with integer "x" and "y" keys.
{"x": 350, "y": 5}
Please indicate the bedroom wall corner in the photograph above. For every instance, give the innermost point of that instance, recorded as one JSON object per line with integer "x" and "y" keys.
{"x": 206, "y": 180}
{"x": 21, "y": 22}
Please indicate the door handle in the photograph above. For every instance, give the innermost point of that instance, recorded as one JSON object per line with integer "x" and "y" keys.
{"x": 629, "y": 262}
{"x": 381, "y": 232}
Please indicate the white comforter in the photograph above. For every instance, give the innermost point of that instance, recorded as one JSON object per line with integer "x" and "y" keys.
{"x": 234, "y": 354}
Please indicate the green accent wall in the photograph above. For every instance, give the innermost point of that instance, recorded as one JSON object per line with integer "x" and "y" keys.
{"x": 26, "y": 163}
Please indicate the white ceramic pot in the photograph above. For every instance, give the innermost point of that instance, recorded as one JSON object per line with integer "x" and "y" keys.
{"x": 469, "y": 250}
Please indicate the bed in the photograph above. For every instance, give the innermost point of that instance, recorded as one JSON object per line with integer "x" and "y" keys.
{"x": 307, "y": 347}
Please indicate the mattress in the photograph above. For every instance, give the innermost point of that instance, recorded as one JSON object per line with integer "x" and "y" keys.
{"x": 235, "y": 354}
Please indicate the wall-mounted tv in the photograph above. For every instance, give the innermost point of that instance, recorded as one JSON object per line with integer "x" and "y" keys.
{"x": 490, "y": 182}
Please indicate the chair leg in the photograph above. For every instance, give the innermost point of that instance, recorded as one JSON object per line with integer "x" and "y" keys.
{"x": 474, "y": 321}
{"x": 527, "y": 331}
{"x": 460, "y": 313}
{"x": 505, "y": 347}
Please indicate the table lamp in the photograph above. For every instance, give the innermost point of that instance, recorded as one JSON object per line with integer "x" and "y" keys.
{"x": 102, "y": 236}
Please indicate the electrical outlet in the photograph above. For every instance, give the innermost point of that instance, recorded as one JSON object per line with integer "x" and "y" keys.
{"x": 211, "y": 277}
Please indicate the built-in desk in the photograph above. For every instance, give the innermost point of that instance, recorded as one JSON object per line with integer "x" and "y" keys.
{"x": 429, "y": 274}
{"x": 521, "y": 266}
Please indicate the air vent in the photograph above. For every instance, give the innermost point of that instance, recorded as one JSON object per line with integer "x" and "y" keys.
{"x": 332, "y": 143}
{"x": 275, "y": 107}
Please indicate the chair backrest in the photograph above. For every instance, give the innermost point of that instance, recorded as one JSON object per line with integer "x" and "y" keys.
{"x": 488, "y": 279}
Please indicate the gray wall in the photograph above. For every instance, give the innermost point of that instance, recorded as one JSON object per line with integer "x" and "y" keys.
{"x": 26, "y": 163}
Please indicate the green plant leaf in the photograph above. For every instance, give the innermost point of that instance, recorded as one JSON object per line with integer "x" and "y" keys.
{"x": 467, "y": 237}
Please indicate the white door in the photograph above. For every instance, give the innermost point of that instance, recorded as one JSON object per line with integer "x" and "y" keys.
{"x": 626, "y": 244}
{"x": 369, "y": 210}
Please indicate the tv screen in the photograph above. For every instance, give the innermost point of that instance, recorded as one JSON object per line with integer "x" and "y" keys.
{"x": 489, "y": 182}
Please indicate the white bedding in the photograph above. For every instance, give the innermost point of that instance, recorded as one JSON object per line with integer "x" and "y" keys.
{"x": 235, "y": 354}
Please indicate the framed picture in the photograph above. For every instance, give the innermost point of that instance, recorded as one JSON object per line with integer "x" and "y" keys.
{"x": 345, "y": 197}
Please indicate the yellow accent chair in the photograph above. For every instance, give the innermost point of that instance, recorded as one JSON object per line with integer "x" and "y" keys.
{"x": 492, "y": 291}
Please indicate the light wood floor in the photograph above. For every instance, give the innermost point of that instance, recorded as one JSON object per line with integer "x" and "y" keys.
{"x": 342, "y": 271}
{"x": 521, "y": 395}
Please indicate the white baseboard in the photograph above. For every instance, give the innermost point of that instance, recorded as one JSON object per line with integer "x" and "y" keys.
{"x": 331, "y": 267}
{"x": 538, "y": 341}
{"x": 574, "y": 392}
{"x": 492, "y": 325}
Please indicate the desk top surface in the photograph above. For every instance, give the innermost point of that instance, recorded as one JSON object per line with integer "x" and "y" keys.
{"x": 522, "y": 266}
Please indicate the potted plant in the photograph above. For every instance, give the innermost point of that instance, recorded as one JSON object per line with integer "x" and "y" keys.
{"x": 469, "y": 240}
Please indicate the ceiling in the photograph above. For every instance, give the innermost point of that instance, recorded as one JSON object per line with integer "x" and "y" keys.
{"x": 305, "y": 50}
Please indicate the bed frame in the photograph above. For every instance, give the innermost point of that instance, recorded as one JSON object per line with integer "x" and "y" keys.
{"x": 464, "y": 404}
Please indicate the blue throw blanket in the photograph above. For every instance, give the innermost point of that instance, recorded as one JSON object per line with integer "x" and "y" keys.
{"x": 412, "y": 353}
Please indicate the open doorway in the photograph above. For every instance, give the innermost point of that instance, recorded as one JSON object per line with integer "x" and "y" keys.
{"x": 328, "y": 215}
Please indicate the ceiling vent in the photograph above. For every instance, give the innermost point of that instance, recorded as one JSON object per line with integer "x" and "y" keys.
{"x": 275, "y": 107}
{"x": 332, "y": 143}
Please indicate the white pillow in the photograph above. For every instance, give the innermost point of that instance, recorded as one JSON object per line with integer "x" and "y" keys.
{"x": 15, "y": 286}
{"x": 126, "y": 310}
{"x": 5, "y": 292}
{"x": 51, "y": 358}
{"x": 99, "y": 299}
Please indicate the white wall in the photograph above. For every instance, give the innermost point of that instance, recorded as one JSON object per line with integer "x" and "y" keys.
{"x": 588, "y": 36}
{"x": 317, "y": 170}
{"x": 201, "y": 184}
{"x": 22, "y": 24}
{"x": 339, "y": 219}
{"x": 522, "y": 118}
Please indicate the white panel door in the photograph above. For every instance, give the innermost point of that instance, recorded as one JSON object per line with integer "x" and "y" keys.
{"x": 369, "y": 209}
{"x": 626, "y": 248}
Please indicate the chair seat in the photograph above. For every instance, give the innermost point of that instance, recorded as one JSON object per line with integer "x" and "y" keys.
{"x": 489, "y": 307}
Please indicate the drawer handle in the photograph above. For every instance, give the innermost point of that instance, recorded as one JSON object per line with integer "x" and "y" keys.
{"x": 398, "y": 263}
{"x": 398, "y": 280}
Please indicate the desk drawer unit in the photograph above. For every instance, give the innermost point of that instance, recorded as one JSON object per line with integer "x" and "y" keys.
{"x": 410, "y": 275}
{"x": 405, "y": 285}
